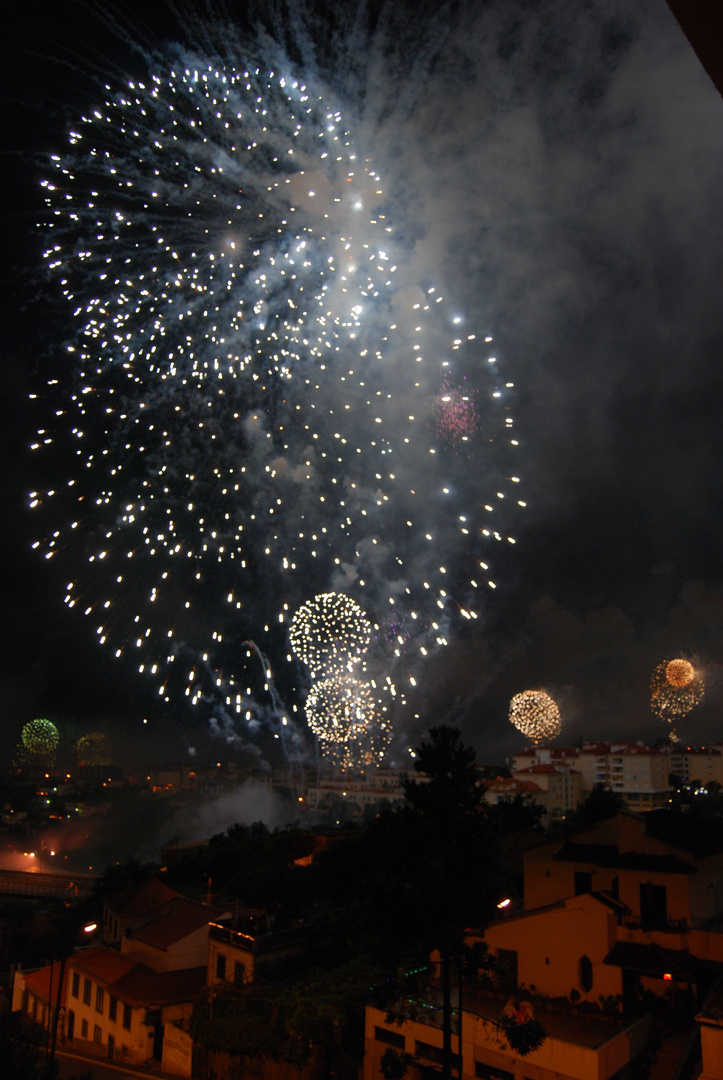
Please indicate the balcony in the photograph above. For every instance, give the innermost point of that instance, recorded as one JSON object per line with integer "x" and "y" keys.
{"x": 261, "y": 941}
{"x": 669, "y": 926}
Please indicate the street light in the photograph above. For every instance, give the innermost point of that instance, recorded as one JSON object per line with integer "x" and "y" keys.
{"x": 55, "y": 1013}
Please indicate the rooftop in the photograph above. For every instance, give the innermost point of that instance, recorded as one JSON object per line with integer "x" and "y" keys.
{"x": 133, "y": 981}
{"x": 655, "y": 960}
{"x": 45, "y": 980}
{"x": 700, "y": 838}
{"x": 178, "y": 919}
{"x": 580, "y": 1029}
{"x": 141, "y": 901}
{"x": 144, "y": 986}
{"x": 608, "y": 855}
{"x": 105, "y": 965}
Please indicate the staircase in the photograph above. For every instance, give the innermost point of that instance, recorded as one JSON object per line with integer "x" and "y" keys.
{"x": 668, "y": 1062}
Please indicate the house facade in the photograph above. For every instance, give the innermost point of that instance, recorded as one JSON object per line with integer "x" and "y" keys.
{"x": 251, "y": 944}
{"x": 629, "y": 906}
{"x": 596, "y": 1049}
{"x": 112, "y": 1005}
{"x": 131, "y": 1002}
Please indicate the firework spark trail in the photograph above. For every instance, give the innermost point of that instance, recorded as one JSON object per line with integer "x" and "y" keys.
{"x": 250, "y": 414}
{"x": 277, "y": 720}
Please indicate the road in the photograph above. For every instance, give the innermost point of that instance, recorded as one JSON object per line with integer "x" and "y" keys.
{"x": 70, "y": 1066}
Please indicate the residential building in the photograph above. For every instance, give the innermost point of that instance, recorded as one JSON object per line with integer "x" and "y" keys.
{"x": 115, "y": 1006}
{"x": 360, "y": 791}
{"x": 710, "y": 1020}
{"x": 176, "y": 938}
{"x": 133, "y": 907}
{"x": 630, "y": 905}
{"x": 666, "y": 869}
{"x": 703, "y": 765}
{"x": 576, "y": 1047}
{"x": 639, "y": 774}
{"x": 36, "y": 992}
{"x": 132, "y": 1002}
{"x": 509, "y": 787}
{"x": 250, "y": 944}
{"x": 560, "y": 788}
{"x": 561, "y": 949}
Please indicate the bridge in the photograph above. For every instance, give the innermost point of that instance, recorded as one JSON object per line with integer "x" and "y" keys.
{"x": 55, "y": 886}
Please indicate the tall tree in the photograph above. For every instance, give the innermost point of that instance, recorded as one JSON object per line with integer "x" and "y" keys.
{"x": 451, "y": 813}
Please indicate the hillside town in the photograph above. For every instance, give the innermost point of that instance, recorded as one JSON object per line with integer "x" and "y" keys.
{"x": 597, "y": 951}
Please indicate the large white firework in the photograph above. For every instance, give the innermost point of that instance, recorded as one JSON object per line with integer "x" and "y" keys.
{"x": 252, "y": 385}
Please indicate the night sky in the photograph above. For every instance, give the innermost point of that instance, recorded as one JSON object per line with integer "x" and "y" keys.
{"x": 556, "y": 169}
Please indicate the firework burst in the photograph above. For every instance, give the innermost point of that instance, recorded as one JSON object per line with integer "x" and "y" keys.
{"x": 94, "y": 749}
{"x": 330, "y": 633}
{"x": 38, "y": 744}
{"x": 251, "y": 386}
{"x": 675, "y": 688}
{"x": 536, "y": 715}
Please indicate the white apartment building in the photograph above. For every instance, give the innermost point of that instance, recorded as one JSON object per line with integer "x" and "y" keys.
{"x": 360, "y": 791}
{"x": 704, "y": 764}
{"x": 638, "y": 773}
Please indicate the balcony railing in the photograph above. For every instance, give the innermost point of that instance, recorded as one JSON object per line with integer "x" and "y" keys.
{"x": 261, "y": 942}
{"x": 430, "y": 1013}
{"x": 670, "y": 926}
{"x": 712, "y": 924}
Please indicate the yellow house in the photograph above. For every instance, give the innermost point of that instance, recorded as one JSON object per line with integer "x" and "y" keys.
{"x": 560, "y": 949}
{"x": 133, "y": 907}
{"x": 116, "y": 1007}
{"x": 176, "y": 938}
{"x": 665, "y": 866}
{"x": 666, "y": 871}
{"x": 576, "y": 1047}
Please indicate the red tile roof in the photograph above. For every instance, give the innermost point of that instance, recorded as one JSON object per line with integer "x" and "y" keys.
{"x": 143, "y": 986}
{"x": 136, "y": 983}
{"x": 105, "y": 965}
{"x": 44, "y": 981}
{"x": 511, "y": 784}
{"x": 143, "y": 900}
{"x": 179, "y": 919}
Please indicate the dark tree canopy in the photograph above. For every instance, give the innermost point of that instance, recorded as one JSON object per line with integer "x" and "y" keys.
{"x": 601, "y": 804}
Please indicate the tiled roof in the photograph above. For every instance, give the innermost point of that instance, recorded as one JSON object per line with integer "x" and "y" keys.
{"x": 608, "y": 855}
{"x": 655, "y": 960}
{"x": 143, "y": 900}
{"x": 105, "y": 965}
{"x": 701, "y": 838}
{"x": 696, "y": 751}
{"x": 179, "y": 919}
{"x": 610, "y": 901}
{"x": 143, "y": 986}
{"x": 136, "y": 983}
{"x": 45, "y": 981}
